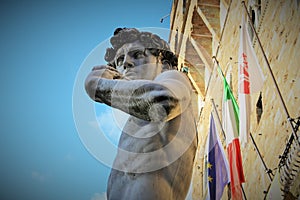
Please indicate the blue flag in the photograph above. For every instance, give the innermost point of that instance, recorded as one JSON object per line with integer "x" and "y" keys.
{"x": 217, "y": 165}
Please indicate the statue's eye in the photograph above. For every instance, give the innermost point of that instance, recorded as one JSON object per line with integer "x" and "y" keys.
{"x": 120, "y": 60}
{"x": 138, "y": 54}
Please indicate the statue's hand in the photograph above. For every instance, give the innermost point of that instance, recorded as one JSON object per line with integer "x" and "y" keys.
{"x": 105, "y": 71}
{"x": 97, "y": 73}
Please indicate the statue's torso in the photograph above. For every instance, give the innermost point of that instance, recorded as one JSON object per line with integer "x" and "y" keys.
{"x": 155, "y": 159}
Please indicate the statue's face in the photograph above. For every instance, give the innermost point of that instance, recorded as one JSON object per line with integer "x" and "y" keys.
{"x": 136, "y": 62}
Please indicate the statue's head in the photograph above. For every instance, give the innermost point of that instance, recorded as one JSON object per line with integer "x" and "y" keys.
{"x": 153, "y": 43}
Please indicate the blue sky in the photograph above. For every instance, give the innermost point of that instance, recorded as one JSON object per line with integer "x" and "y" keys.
{"x": 43, "y": 47}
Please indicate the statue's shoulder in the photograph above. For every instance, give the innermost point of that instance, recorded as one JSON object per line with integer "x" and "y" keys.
{"x": 173, "y": 76}
{"x": 172, "y": 73}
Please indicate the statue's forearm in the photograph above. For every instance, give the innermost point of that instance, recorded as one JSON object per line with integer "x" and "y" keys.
{"x": 144, "y": 99}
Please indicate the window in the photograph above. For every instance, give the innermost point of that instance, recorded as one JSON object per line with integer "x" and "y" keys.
{"x": 259, "y": 108}
{"x": 183, "y": 6}
{"x": 255, "y": 12}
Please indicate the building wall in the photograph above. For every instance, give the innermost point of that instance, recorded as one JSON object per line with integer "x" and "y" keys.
{"x": 279, "y": 32}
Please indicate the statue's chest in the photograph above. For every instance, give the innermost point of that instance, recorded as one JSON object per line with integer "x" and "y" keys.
{"x": 143, "y": 136}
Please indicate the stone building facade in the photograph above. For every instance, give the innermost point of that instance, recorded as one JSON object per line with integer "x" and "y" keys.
{"x": 206, "y": 31}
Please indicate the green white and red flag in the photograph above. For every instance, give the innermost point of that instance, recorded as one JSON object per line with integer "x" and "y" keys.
{"x": 231, "y": 128}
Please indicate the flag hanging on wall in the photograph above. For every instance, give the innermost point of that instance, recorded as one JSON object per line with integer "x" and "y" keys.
{"x": 250, "y": 81}
{"x": 231, "y": 128}
{"x": 217, "y": 165}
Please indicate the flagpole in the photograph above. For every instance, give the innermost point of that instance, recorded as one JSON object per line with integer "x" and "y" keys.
{"x": 244, "y": 194}
{"x": 218, "y": 47}
{"x": 218, "y": 67}
{"x": 215, "y": 108}
{"x": 272, "y": 75}
{"x": 225, "y": 22}
{"x": 262, "y": 160}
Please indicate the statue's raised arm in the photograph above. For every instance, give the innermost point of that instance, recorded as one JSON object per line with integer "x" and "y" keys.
{"x": 163, "y": 98}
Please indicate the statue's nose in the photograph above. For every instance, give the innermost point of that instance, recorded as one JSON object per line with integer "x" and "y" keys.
{"x": 128, "y": 62}
{"x": 127, "y": 65}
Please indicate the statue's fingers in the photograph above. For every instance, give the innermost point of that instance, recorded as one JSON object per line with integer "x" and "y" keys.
{"x": 112, "y": 69}
{"x": 99, "y": 67}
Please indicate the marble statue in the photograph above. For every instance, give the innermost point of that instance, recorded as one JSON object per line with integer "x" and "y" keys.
{"x": 157, "y": 146}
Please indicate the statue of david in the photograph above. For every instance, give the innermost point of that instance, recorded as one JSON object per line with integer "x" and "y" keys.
{"x": 158, "y": 143}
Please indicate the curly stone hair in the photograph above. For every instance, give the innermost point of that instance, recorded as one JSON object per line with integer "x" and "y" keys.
{"x": 152, "y": 42}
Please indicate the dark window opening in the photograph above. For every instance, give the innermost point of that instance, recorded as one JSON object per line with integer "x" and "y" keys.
{"x": 183, "y": 6}
{"x": 255, "y": 12}
{"x": 259, "y": 108}
{"x": 253, "y": 16}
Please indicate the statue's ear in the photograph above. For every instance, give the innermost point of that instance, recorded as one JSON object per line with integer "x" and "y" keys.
{"x": 166, "y": 65}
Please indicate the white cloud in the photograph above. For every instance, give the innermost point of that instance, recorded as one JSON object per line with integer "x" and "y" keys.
{"x": 98, "y": 196}
{"x": 38, "y": 176}
{"x": 111, "y": 122}
{"x": 113, "y": 117}
{"x": 69, "y": 157}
